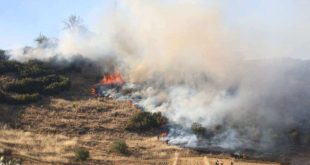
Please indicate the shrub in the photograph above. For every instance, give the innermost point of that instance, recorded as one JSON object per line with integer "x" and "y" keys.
{"x": 56, "y": 87}
{"x": 26, "y": 85}
{"x": 31, "y": 79}
{"x": 119, "y": 146}
{"x": 3, "y": 56}
{"x": 33, "y": 71}
{"x": 81, "y": 154}
{"x": 198, "y": 129}
{"x": 294, "y": 135}
{"x": 160, "y": 119}
{"x": 142, "y": 121}
{"x": 9, "y": 67}
{"x": 48, "y": 85}
{"x": 22, "y": 98}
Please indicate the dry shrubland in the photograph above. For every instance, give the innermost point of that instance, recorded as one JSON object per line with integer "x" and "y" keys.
{"x": 50, "y": 131}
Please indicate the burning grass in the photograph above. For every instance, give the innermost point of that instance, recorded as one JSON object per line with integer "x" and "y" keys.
{"x": 112, "y": 79}
{"x": 94, "y": 124}
{"x": 52, "y": 130}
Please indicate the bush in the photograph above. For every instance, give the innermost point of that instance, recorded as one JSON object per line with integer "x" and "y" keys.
{"x": 142, "y": 121}
{"x": 160, "y": 119}
{"x": 22, "y": 98}
{"x": 9, "y": 67}
{"x": 26, "y": 85}
{"x": 33, "y": 71}
{"x": 51, "y": 84}
{"x": 198, "y": 129}
{"x": 56, "y": 87}
{"x": 294, "y": 135}
{"x": 31, "y": 79}
{"x": 119, "y": 146}
{"x": 3, "y": 56}
{"x": 81, "y": 154}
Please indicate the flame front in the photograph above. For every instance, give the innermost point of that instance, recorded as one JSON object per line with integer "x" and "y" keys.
{"x": 112, "y": 79}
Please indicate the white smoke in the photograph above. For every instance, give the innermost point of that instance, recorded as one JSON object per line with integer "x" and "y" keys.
{"x": 194, "y": 68}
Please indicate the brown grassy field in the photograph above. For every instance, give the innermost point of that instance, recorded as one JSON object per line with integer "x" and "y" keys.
{"x": 49, "y": 131}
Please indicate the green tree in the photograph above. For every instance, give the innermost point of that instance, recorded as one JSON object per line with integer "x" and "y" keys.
{"x": 198, "y": 129}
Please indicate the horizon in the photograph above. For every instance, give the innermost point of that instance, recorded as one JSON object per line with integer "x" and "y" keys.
{"x": 279, "y": 24}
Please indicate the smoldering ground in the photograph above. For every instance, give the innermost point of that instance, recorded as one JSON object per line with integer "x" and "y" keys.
{"x": 193, "y": 67}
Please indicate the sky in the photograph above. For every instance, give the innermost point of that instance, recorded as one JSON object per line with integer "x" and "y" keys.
{"x": 23, "y": 20}
{"x": 281, "y": 23}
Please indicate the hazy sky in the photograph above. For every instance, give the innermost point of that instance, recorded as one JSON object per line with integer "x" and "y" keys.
{"x": 278, "y": 22}
{"x": 22, "y": 20}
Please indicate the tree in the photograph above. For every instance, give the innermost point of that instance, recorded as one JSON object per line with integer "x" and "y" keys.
{"x": 3, "y": 56}
{"x": 74, "y": 23}
{"x": 42, "y": 41}
{"x": 198, "y": 129}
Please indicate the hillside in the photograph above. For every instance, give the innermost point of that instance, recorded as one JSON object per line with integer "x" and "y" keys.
{"x": 50, "y": 130}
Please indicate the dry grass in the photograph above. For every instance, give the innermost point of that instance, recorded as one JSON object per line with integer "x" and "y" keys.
{"x": 96, "y": 123}
{"x": 50, "y": 148}
{"x": 50, "y": 130}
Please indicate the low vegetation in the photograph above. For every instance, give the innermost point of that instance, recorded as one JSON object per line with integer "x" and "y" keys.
{"x": 28, "y": 81}
{"x": 22, "y": 98}
{"x": 198, "y": 129}
{"x": 9, "y": 66}
{"x": 81, "y": 154}
{"x": 142, "y": 121}
{"x": 2, "y": 55}
{"x": 119, "y": 147}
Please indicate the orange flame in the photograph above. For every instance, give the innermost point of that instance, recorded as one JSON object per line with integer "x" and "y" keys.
{"x": 93, "y": 91}
{"x": 112, "y": 79}
{"x": 163, "y": 134}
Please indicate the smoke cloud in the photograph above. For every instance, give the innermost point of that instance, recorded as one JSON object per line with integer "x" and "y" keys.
{"x": 194, "y": 67}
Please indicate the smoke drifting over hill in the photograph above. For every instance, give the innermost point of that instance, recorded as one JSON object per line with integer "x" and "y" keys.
{"x": 193, "y": 67}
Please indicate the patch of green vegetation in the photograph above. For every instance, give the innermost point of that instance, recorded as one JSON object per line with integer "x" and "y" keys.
{"x": 142, "y": 121}
{"x": 198, "y": 129}
{"x": 29, "y": 81}
{"x": 34, "y": 70}
{"x": 120, "y": 147}
{"x": 55, "y": 87}
{"x": 22, "y": 98}
{"x": 81, "y": 154}
{"x": 9, "y": 67}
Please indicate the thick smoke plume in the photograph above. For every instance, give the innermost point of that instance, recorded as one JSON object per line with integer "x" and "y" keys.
{"x": 193, "y": 67}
